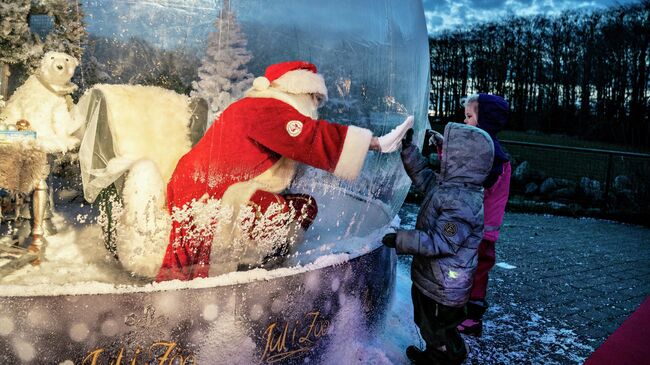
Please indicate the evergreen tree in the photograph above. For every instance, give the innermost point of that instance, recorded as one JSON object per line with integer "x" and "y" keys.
{"x": 69, "y": 34}
{"x": 223, "y": 76}
{"x": 16, "y": 41}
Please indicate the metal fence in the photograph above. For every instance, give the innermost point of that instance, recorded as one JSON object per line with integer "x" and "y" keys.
{"x": 580, "y": 181}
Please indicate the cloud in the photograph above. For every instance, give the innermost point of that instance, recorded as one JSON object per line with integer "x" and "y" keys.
{"x": 433, "y": 20}
{"x": 487, "y": 4}
{"x": 450, "y": 15}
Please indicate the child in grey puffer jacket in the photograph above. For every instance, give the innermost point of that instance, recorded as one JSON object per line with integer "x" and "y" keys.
{"x": 444, "y": 244}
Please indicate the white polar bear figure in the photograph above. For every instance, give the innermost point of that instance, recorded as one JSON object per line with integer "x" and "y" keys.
{"x": 43, "y": 100}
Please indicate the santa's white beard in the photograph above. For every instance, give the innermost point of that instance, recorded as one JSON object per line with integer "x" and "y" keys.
{"x": 306, "y": 105}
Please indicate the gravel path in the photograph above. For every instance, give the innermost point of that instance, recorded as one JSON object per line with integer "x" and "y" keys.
{"x": 560, "y": 288}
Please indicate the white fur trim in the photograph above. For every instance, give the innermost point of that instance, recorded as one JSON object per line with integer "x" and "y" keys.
{"x": 355, "y": 149}
{"x": 301, "y": 102}
{"x": 261, "y": 83}
{"x": 148, "y": 122}
{"x": 144, "y": 225}
{"x": 276, "y": 179}
{"x": 301, "y": 82}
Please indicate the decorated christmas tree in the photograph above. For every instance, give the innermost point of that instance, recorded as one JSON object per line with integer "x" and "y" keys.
{"x": 223, "y": 76}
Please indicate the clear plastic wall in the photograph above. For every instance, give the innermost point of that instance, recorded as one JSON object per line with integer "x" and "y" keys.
{"x": 372, "y": 54}
{"x": 79, "y": 304}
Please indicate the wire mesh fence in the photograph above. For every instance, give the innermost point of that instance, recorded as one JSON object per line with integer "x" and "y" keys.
{"x": 580, "y": 181}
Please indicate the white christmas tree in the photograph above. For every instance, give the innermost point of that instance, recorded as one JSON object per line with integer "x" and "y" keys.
{"x": 223, "y": 76}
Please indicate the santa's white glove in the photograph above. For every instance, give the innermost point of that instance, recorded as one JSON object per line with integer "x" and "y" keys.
{"x": 392, "y": 141}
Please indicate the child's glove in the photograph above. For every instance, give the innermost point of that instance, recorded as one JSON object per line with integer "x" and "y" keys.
{"x": 407, "y": 141}
{"x": 432, "y": 142}
{"x": 436, "y": 139}
{"x": 390, "y": 240}
{"x": 391, "y": 142}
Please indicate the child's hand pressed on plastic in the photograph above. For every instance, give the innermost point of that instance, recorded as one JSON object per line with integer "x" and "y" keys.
{"x": 407, "y": 141}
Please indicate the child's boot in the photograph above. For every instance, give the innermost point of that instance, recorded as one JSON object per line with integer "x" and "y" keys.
{"x": 471, "y": 327}
{"x": 473, "y": 324}
{"x": 437, "y": 357}
{"x": 417, "y": 356}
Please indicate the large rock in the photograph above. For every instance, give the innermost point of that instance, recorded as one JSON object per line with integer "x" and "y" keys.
{"x": 590, "y": 189}
{"x": 548, "y": 186}
{"x": 524, "y": 174}
{"x": 562, "y": 193}
{"x": 624, "y": 195}
{"x": 531, "y": 188}
{"x": 622, "y": 183}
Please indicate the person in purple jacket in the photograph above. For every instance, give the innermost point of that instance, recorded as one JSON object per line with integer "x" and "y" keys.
{"x": 490, "y": 113}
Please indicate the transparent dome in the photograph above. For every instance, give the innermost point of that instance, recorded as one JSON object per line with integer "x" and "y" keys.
{"x": 374, "y": 58}
{"x": 154, "y": 75}
{"x": 154, "y": 79}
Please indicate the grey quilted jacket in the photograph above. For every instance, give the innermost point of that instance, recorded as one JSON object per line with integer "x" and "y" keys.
{"x": 449, "y": 226}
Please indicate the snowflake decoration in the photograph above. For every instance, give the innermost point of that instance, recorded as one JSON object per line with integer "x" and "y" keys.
{"x": 146, "y": 328}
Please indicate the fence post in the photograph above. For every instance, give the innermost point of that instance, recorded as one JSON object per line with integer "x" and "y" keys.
{"x": 608, "y": 178}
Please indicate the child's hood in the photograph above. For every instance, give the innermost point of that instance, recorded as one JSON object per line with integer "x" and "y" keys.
{"x": 492, "y": 113}
{"x": 467, "y": 154}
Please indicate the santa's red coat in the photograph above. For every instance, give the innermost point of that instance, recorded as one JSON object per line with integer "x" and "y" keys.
{"x": 249, "y": 138}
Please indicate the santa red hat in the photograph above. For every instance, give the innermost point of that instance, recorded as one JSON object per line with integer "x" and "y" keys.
{"x": 295, "y": 77}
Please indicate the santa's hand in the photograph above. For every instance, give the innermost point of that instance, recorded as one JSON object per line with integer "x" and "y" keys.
{"x": 392, "y": 141}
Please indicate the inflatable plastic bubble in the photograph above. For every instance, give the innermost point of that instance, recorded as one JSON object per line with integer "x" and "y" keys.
{"x": 156, "y": 80}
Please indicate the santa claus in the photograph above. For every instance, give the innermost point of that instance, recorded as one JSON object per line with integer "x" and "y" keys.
{"x": 226, "y": 195}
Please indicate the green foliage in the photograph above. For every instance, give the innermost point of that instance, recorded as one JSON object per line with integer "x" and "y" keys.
{"x": 16, "y": 40}
{"x": 69, "y": 34}
{"x": 109, "y": 203}
{"x": 564, "y": 140}
{"x": 168, "y": 81}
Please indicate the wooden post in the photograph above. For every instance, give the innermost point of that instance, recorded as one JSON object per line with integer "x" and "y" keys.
{"x": 608, "y": 178}
{"x": 4, "y": 80}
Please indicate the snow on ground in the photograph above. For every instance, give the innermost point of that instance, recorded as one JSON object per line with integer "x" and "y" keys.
{"x": 513, "y": 334}
{"x": 76, "y": 261}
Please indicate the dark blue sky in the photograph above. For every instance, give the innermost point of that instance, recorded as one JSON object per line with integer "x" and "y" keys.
{"x": 451, "y": 14}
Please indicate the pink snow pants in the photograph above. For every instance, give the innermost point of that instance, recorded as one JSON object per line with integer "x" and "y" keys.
{"x": 486, "y": 260}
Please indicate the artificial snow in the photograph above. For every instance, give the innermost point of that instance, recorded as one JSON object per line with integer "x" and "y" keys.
{"x": 77, "y": 263}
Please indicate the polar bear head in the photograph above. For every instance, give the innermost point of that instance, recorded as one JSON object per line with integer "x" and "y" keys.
{"x": 56, "y": 68}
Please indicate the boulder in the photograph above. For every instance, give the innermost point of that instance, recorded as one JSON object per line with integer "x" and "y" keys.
{"x": 590, "y": 189}
{"x": 562, "y": 193}
{"x": 521, "y": 172}
{"x": 622, "y": 183}
{"x": 548, "y": 186}
{"x": 531, "y": 188}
